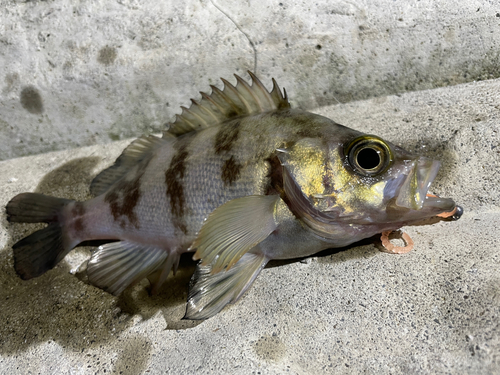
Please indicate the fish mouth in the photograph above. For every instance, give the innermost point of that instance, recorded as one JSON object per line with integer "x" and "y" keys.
{"x": 414, "y": 191}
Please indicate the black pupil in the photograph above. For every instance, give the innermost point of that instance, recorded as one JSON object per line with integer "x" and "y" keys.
{"x": 368, "y": 158}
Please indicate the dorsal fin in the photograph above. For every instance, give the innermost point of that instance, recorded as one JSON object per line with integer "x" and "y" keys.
{"x": 140, "y": 149}
{"x": 233, "y": 101}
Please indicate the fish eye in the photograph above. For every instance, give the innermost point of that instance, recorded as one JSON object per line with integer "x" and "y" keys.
{"x": 368, "y": 155}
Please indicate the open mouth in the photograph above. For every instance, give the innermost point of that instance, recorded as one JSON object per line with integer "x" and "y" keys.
{"x": 414, "y": 191}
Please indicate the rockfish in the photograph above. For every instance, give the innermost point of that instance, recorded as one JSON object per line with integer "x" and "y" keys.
{"x": 239, "y": 178}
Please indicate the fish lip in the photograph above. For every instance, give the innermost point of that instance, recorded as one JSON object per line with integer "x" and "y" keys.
{"x": 439, "y": 205}
{"x": 414, "y": 188}
{"x": 414, "y": 194}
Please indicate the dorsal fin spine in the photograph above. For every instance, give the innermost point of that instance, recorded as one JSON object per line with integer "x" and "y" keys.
{"x": 206, "y": 110}
{"x": 181, "y": 119}
{"x": 196, "y": 115}
{"x": 249, "y": 90}
{"x": 280, "y": 98}
{"x": 258, "y": 83}
{"x": 209, "y": 98}
{"x": 276, "y": 92}
{"x": 228, "y": 100}
{"x": 236, "y": 93}
{"x": 242, "y": 99}
{"x": 194, "y": 118}
{"x": 213, "y": 102}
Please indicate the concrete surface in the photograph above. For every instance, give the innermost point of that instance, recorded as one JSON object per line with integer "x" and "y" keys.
{"x": 435, "y": 310}
{"x": 76, "y": 73}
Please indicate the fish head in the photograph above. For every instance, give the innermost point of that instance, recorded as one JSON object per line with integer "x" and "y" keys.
{"x": 360, "y": 179}
{"x": 389, "y": 183}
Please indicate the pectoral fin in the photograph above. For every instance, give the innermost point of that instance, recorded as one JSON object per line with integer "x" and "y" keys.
{"x": 233, "y": 229}
{"x": 209, "y": 293}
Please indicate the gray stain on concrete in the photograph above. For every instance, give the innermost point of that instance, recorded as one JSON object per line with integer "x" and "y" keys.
{"x": 107, "y": 55}
{"x": 31, "y": 100}
{"x": 134, "y": 357}
{"x": 270, "y": 348}
{"x": 11, "y": 81}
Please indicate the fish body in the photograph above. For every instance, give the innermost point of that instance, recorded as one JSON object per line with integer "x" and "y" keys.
{"x": 239, "y": 178}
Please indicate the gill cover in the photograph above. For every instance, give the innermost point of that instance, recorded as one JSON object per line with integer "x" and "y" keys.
{"x": 307, "y": 174}
{"x": 337, "y": 180}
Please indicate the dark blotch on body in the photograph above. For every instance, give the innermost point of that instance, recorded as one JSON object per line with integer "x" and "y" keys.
{"x": 230, "y": 171}
{"x": 231, "y": 114}
{"x": 274, "y": 176}
{"x": 299, "y": 117}
{"x": 284, "y": 113}
{"x": 77, "y": 212}
{"x": 307, "y": 132}
{"x": 283, "y": 105}
{"x": 275, "y": 183}
{"x": 175, "y": 189}
{"x": 31, "y": 100}
{"x": 125, "y": 196}
{"x": 301, "y": 120}
{"x": 226, "y": 137}
{"x": 107, "y": 55}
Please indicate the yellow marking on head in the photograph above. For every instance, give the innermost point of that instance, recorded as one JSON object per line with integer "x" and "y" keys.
{"x": 352, "y": 191}
{"x": 308, "y": 165}
{"x": 322, "y": 176}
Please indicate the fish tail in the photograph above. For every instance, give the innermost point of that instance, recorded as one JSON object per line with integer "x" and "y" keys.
{"x": 34, "y": 208}
{"x": 42, "y": 250}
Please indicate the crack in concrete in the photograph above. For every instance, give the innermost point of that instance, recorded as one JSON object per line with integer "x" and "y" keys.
{"x": 244, "y": 33}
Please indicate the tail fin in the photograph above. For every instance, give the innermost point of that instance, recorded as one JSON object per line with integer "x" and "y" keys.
{"x": 42, "y": 250}
{"x": 34, "y": 208}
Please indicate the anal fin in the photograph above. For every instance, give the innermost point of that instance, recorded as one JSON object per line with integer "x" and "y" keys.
{"x": 209, "y": 293}
{"x": 115, "y": 266}
{"x": 158, "y": 278}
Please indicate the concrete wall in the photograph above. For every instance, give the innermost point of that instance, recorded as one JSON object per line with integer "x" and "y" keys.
{"x": 76, "y": 73}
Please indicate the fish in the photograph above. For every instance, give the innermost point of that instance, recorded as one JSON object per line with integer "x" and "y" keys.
{"x": 239, "y": 178}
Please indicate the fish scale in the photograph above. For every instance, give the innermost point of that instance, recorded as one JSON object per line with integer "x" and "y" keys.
{"x": 239, "y": 178}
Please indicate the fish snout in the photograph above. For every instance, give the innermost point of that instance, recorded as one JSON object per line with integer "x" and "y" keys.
{"x": 413, "y": 192}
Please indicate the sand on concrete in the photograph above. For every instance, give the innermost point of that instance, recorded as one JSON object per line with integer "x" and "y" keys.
{"x": 435, "y": 310}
